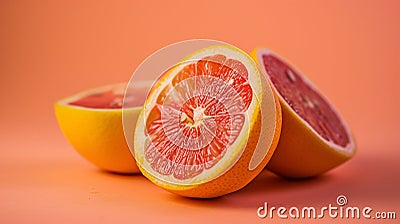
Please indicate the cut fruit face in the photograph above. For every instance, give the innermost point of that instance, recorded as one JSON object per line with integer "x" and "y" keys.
{"x": 103, "y": 100}
{"x": 110, "y": 97}
{"x": 312, "y": 130}
{"x": 92, "y": 123}
{"x": 198, "y": 119}
{"x": 191, "y": 131}
{"x": 306, "y": 101}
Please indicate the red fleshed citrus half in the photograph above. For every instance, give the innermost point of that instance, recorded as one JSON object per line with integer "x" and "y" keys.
{"x": 209, "y": 125}
{"x": 314, "y": 137}
{"x": 92, "y": 123}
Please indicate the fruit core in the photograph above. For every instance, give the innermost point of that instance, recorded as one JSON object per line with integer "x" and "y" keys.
{"x": 305, "y": 101}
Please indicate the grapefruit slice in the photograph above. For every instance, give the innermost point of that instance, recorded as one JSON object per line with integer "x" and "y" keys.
{"x": 314, "y": 137}
{"x": 92, "y": 123}
{"x": 209, "y": 125}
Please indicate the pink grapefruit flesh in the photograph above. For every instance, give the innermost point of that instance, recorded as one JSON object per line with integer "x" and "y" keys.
{"x": 305, "y": 101}
{"x": 204, "y": 108}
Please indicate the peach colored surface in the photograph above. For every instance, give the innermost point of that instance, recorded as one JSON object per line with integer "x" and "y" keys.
{"x": 52, "y": 49}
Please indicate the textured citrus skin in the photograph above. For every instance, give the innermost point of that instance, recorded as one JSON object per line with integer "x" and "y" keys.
{"x": 301, "y": 153}
{"x": 239, "y": 175}
{"x": 98, "y": 136}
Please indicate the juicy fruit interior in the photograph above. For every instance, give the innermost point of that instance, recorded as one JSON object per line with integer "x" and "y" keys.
{"x": 197, "y": 116}
{"x": 110, "y": 99}
{"x": 305, "y": 101}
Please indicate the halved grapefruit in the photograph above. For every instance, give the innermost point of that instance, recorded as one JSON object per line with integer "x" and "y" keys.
{"x": 92, "y": 123}
{"x": 209, "y": 125}
{"x": 314, "y": 137}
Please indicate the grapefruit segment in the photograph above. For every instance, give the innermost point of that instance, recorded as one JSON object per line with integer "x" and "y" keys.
{"x": 92, "y": 123}
{"x": 314, "y": 137}
{"x": 202, "y": 122}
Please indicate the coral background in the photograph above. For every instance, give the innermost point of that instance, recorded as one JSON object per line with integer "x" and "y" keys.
{"x": 52, "y": 49}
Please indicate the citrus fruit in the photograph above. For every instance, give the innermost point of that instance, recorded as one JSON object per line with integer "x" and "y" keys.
{"x": 92, "y": 123}
{"x": 209, "y": 125}
{"x": 314, "y": 137}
